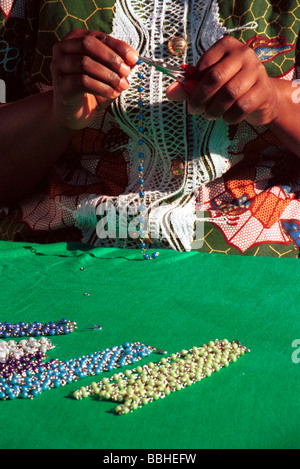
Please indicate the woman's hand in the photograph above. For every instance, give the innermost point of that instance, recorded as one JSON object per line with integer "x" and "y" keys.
{"x": 89, "y": 70}
{"x": 230, "y": 82}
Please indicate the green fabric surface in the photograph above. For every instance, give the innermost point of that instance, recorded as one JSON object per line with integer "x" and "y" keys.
{"x": 177, "y": 301}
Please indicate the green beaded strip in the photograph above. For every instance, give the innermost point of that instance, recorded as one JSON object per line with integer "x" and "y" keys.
{"x": 136, "y": 388}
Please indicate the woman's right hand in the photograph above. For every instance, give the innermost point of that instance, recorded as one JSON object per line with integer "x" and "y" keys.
{"x": 89, "y": 70}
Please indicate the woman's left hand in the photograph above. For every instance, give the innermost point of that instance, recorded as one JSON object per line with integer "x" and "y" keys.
{"x": 230, "y": 82}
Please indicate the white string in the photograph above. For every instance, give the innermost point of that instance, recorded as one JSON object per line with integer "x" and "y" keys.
{"x": 250, "y": 25}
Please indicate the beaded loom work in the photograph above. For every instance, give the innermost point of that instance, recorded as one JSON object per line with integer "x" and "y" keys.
{"x": 136, "y": 388}
{"x": 26, "y": 380}
{"x": 36, "y": 329}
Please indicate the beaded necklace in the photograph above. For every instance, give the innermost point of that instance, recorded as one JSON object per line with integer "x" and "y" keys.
{"x": 31, "y": 381}
{"x": 36, "y": 329}
{"x": 136, "y": 388}
{"x": 143, "y": 235}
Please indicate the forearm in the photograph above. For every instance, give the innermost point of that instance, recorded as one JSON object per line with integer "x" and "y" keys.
{"x": 286, "y": 126}
{"x": 31, "y": 140}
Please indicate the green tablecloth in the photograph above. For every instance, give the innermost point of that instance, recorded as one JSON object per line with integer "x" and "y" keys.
{"x": 178, "y": 301}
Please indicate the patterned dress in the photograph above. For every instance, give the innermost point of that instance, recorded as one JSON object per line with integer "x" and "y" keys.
{"x": 238, "y": 190}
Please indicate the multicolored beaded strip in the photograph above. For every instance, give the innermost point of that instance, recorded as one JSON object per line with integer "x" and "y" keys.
{"x": 16, "y": 350}
{"x": 136, "y": 388}
{"x": 56, "y": 373}
{"x": 19, "y": 357}
{"x": 143, "y": 235}
{"x": 36, "y": 329}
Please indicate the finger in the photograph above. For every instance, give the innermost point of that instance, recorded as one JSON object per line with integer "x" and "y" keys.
{"x": 102, "y": 48}
{"x": 78, "y": 64}
{"x": 233, "y": 90}
{"x": 72, "y": 87}
{"x": 214, "y": 79}
{"x": 177, "y": 92}
{"x": 249, "y": 103}
{"x": 218, "y": 51}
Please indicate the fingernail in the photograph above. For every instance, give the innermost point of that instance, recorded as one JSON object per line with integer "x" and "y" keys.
{"x": 131, "y": 57}
{"x": 124, "y": 69}
{"x": 123, "y": 84}
{"x": 190, "y": 86}
{"x": 194, "y": 110}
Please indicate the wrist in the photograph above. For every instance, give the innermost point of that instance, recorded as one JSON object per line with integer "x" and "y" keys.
{"x": 280, "y": 98}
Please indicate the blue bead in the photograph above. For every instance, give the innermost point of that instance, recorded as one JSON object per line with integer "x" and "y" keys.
{"x": 142, "y": 220}
{"x": 154, "y": 255}
{"x": 141, "y": 103}
{"x": 141, "y": 142}
{"x": 141, "y": 181}
{"x": 141, "y": 168}
{"x": 142, "y": 194}
{"x": 142, "y": 207}
{"x": 141, "y": 117}
{"x": 141, "y": 155}
{"x": 146, "y": 256}
{"x": 57, "y": 383}
{"x": 142, "y": 245}
{"x": 141, "y": 129}
{"x": 140, "y": 89}
{"x": 139, "y": 62}
{"x": 140, "y": 75}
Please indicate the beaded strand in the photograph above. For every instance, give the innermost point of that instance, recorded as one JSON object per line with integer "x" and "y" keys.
{"x": 142, "y": 235}
{"x": 56, "y": 373}
{"x": 36, "y": 329}
{"x": 18, "y": 358}
{"x": 138, "y": 387}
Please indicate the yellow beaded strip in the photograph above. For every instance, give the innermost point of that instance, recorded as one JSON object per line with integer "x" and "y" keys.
{"x": 136, "y": 388}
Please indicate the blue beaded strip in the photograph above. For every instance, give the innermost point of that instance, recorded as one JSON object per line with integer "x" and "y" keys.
{"x": 142, "y": 208}
{"x": 61, "y": 373}
{"x": 37, "y": 329}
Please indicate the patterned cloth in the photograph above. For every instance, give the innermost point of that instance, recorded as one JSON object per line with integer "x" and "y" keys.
{"x": 253, "y": 209}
